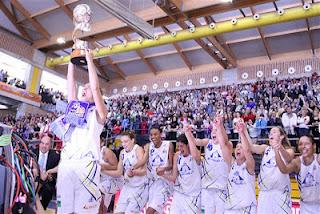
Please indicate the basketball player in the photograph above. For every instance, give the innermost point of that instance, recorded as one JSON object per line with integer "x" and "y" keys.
{"x": 109, "y": 185}
{"x": 241, "y": 194}
{"x": 186, "y": 176}
{"x": 275, "y": 189}
{"x": 307, "y": 170}
{"x": 134, "y": 193}
{"x": 80, "y": 128}
{"x": 159, "y": 157}
{"x": 215, "y": 168}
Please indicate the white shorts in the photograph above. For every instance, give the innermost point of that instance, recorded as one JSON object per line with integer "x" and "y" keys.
{"x": 183, "y": 204}
{"x": 309, "y": 207}
{"x": 108, "y": 187}
{"x": 274, "y": 201}
{"x": 247, "y": 210}
{"x": 132, "y": 199}
{"x": 213, "y": 200}
{"x": 159, "y": 193}
{"x": 78, "y": 187}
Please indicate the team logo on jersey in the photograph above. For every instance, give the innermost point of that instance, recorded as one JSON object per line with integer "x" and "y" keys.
{"x": 127, "y": 164}
{"x": 237, "y": 179}
{"x": 215, "y": 156}
{"x": 271, "y": 161}
{"x": 157, "y": 161}
{"x": 308, "y": 181}
{"x": 185, "y": 169}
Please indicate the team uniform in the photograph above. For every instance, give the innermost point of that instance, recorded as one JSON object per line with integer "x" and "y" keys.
{"x": 275, "y": 188}
{"x": 186, "y": 196}
{"x": 79, "y": 171}
{"x": 241, "y": 194}
{"x": 214, "y": 177}
{"x": 134, "y": 193}
{"x": 309, "y": 187}
{"x": 159, "y": 188}
{"x": 109, "y": 185}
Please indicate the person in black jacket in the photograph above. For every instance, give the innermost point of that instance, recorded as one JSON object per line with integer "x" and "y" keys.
{"x": 48, "y": 160}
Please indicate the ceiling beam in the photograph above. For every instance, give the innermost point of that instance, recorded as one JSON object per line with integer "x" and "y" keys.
{"x": 13, "y": 20}
{"x": 101, "y": 32}
{"x": 263, "y": 39}
{"x": 65, "y": 8}
{"x": 179, "y": 50}
{"x": 33, "y": 21}
{"x": 48, "y": 10}
{"x": 114, "y": 67}
{"x": 142, "y": 57}
{"x": 309, "y": 33}
{"x": 216, "y": 43}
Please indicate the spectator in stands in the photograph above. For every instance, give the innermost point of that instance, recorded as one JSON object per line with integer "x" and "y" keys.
{"x": 274, "y": 120}
{"x": 303, "y": 122}
{"x": 261, "y": 126}
{"x": 248, "y": 115}
{"x": 289, "y": 122}
{"x": 48, "y": 161}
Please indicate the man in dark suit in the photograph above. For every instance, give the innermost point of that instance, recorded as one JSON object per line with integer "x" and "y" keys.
{"x": 48, "y": 160}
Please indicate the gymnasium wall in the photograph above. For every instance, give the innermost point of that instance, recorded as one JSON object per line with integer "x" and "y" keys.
{"x": 287, "y": 65}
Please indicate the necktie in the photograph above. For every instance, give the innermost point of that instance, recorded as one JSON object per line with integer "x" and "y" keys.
{"x": 41, "y": 161}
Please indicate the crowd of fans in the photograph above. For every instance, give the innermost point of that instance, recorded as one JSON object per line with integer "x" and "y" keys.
{"x": 50, "y": 96}
{"x": 29, "y": 126}
{"x": 11, "y": 81}
{"x": 292, "y": 104}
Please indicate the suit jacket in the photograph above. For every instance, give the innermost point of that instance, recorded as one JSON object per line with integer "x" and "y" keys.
{"x": 48, "y": 188}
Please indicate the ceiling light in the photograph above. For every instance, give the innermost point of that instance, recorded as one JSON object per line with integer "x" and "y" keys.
{"x": 61, "y": 40}
{"x": 3, "y": 107}
{"x": 226, "y": 1}
{"x": 210, "y": 44}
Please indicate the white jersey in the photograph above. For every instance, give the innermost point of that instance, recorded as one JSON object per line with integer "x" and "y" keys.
{"x": 188, "y": 180}
{"x": 270, "y": 177}
{"x": 241, "y": 190}
{"x": 129, "y": 159}
{"x": 84, "y": 142}
{"x": 158, "y": 157}
{"x": 214, "y": 169}
{"x": 309, "y": 181}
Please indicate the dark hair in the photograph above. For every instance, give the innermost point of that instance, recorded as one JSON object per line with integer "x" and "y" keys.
{"x": 182, "y": 139}
{"x": 157, "y": 127}
{"x": 130, "y": 134}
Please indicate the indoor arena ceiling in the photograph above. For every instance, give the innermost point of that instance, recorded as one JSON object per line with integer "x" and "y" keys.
{"x": 42, "y": 22}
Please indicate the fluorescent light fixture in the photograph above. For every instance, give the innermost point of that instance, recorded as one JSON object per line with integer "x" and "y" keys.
{"x": 123, "y": 13}
{"x": 210, "y": 44}
{"x": 226, "y": 1}
{"x": 2, "y": 107}
{"x": 61, "y": 40}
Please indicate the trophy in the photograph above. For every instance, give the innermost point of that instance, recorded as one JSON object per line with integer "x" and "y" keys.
{"x": 81, "y": 18}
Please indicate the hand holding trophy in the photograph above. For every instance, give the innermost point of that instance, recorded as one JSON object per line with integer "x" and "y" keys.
{"x": 81, "y": 19}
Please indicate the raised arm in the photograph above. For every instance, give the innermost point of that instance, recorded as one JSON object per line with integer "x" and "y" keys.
{"x": 195, "y": 153}
{"x": 95, "y": 88}
{"x": 223, "y": 140}
{"x": 250, "y": 163}
{"x": 293, "y": 166}
{"x": 111, "y": 160}
{"x": 71, "y": 83}
{"x": 174, "y": 174}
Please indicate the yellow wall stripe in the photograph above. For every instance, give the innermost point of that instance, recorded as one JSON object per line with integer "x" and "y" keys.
{"x": 35, "y": 80}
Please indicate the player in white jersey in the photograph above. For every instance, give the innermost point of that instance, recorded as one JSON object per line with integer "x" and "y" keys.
{"x": 109, "y": 185}
{"x": 215, "y": 169}
{"x": 186, "y": 176}
{"x": 80, "y": 128}
{"x": 159, "y": 157}
{"x": 241, "y": 194}
{"x": 307, "y": 169}
{"x": 275, "y": 188}
{"x": 134, "y": 193}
